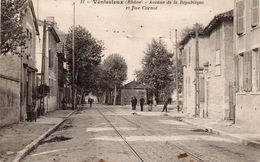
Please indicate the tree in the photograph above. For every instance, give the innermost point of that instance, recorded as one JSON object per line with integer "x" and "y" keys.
{"x": 116, "y": 68}
{"x": 12, "y": 32}
{"x": 157, "y": 70}
{"x": 189, "y": 30}
{"x": 88, "y": 54}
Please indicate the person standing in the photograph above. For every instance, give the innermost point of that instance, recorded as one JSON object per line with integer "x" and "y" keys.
{"x": 165, "y": 105}
{"x": 135, "y": 103}
{"x": 90, "y": 101}
{"x": 150, "y": 104}
{"x": 142, "y": 101}
{"x": 132, "y": 102}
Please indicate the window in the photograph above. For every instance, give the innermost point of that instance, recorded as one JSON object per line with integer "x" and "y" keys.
{"x": 50, "y": 59}
{"x": 29, "y": 42}
{"x": 217, "y": 63}
{"x": 255, "y": 70}
{"x": 247, "y": 71}
{"x": 237, "y": 82}
{"x": 184, "y": 57}
{"x": 189, "y": 56}
{"x": 255, "y": 13}
{"x": 218, "y": 38}
{"x": 240, "y": 10}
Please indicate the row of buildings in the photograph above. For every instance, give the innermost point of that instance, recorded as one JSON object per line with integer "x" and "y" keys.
{"x": 20, "y": 75}
{"x": 229, "y": 66}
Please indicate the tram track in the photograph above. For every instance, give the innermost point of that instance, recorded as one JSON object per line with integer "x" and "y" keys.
{"x": 196, "y": 156}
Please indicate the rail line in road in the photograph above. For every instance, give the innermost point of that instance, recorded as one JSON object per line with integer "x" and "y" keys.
{"x": 120, "y": 135}
{"x": 197, "y": 157}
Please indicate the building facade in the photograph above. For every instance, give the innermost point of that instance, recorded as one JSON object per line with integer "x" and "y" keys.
{"x": 50, "y": 77}
{"x": 18, "y": 73}
{"x": 132, "y": 89}
{"x": 189, "y": 75}
{"x": 219, "y": 70}
{"x": 247, "y": 62}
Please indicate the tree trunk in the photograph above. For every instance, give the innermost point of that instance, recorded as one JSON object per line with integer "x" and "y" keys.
{"x": 115, "y": 94}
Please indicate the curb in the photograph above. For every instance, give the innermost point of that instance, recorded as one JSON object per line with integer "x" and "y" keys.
{"x": 21, "y": 154}
{"x": 242, "y": 140}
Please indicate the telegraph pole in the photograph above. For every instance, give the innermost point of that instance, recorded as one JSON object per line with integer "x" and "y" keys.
{"x": 73, "y": 59}
{"x": 43, "y": 65}
{"x": 197, "y": 73}
{"x": 177, "y": 71}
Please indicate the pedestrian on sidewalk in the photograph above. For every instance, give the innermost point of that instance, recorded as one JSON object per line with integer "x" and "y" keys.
{"x": 165, "y": 105}
{"x": 142, "y": 101}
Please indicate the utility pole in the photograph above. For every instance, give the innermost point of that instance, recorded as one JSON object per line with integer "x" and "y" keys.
{"x": 43, "y": 65}
{"x": 73, "y": 60}
{"x": 177, "y": 71}
{"x": 38, "y": 1}
{"x": 197, "y": 73}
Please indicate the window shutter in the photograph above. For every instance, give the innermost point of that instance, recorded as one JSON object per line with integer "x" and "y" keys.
{"x": 245, "y": 71}
{"x": 184, "y": 58}
{"x": 240, "y": 16}
{"x": 202, "y": 88}
{"x": 237, "y": 72}
{"x": 255, "y": 13}
{"x": 249, "y": 67}
{"x": 258, "y": 69}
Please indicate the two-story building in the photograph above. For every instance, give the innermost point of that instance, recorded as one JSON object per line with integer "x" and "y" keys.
{"x": 50, "y": 76}
{"x": 18, "y": 72}
{"x": 189, "y": 74}
{"x": 216, "y": 69}
{"x": 219, "y": 70}
{"x": 247, "y": 62}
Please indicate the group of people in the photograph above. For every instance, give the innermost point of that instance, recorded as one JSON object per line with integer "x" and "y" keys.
{"x": 150, "y": 103}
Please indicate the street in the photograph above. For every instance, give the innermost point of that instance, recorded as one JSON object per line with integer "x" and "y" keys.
{"x": 114, "y": 134}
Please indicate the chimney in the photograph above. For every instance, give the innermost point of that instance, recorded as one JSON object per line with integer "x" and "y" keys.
{"x": 50, "y": 20}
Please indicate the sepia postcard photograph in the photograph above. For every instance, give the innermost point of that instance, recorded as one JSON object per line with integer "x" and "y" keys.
{"x": 130, "y": 81}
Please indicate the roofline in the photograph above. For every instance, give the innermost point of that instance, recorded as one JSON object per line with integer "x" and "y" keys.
{"x": 54, "y": 33}
{"x": 30, "y": 4}
{"x": 226, "y": 16}
{"x": 215, "y": 22}
{"x": 188, "y": 37}
{"x": 52, "y": 30}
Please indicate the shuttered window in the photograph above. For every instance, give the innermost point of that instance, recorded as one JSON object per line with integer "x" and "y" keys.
{"x": 240, "y": 10}
{"x": 202, "y": 90}
{"x": 189, "y": 56}
{"x": 237, "y": 72}
{"x": 247, "y": 72}
{"x": 184, "y": 58}
{"x": 255, "y": 13}
{"x": 218, "y": 38}
{"x": 257, "y": 64}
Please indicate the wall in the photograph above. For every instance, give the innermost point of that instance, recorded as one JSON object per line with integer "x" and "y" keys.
{"x": 126, "y": 95}
{"x": 247, "y": 103}
{"x": 9, "y": 101}
{"x": 217, "y": 86}
{"x": 189, "y": 73}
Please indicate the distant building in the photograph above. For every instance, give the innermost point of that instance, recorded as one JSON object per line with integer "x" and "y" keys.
{"x": 18, "y": 73}
{"x": 51, "y": 62}
{"x": 133, "y": 89}
{"x": 247, "y": 62}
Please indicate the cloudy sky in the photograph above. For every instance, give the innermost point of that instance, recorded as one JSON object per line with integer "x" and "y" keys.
{"x": 128, "y": 32}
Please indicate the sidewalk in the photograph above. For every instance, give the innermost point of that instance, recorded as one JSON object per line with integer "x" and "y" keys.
{"x": 240, "y": 133}
{"x": 16, "y": 137}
